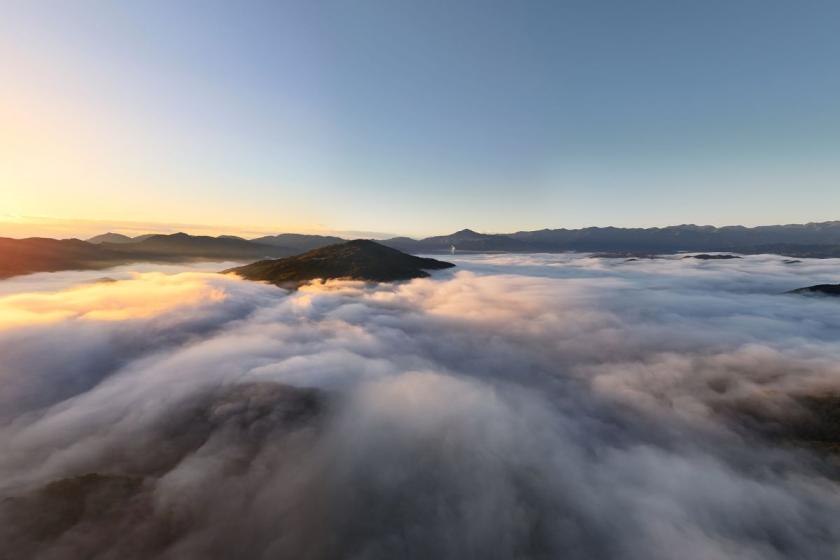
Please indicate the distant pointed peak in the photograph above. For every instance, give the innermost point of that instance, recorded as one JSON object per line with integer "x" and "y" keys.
{"x": 466, "y": 231}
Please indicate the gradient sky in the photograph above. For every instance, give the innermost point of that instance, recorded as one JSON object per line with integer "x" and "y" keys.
{"x": 417, "y": 117}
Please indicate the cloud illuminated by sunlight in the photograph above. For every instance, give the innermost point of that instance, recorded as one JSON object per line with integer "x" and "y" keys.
{"x": 145, "y": 295}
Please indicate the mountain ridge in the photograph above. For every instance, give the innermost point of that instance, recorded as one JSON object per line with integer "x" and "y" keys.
{"x": 815, "y": 239}
{"x": 810, "y": 240}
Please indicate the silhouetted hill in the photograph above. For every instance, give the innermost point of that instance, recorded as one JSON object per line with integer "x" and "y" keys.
{"x": 705, "y": 257}
{"x": 358, "y": 260}
{"x": 183, "y": 246}
{"x": 685, "y": 237}
{"x": 819, "y": 289}
{"x": 464, "y": 240}
{"x": 38, "y": 254}
{"x": 800, "y": 240}
{"x": 815, "y": 240}
{"x": 299, "y": 241}
{"x": 111, "y": 237}
{"x": 24, "y": 256}
{"x": 813, "y": 251}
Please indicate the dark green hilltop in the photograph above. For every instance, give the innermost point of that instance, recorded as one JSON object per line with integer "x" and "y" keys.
{"x": 360, "y": 259}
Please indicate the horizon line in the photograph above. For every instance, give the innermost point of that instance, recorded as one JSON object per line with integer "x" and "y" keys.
{"x": 132, "y": 228}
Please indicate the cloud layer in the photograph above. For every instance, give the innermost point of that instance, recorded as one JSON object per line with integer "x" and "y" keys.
{"x": 522, "y": 406}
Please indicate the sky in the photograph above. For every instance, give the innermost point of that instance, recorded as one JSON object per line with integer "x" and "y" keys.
{"x": 416, "y": 118}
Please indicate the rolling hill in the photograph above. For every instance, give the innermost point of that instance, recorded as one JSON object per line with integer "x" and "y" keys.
{"x": 357, "y": 260}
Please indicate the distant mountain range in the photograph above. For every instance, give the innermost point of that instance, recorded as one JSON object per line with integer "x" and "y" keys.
{"x": 801, "y": 240}
{"x": 117, "y": 238}
{"x": 818, "y": 240}
{"x": 22, "y": 256}
{"x": 361, "y": 259}
{"x": 183, "y": 246}
{"x": 289, "y": 242}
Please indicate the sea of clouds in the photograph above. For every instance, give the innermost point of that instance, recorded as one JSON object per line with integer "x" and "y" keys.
{"x": 517, "y": 406}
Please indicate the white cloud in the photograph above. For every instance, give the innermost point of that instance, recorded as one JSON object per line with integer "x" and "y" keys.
{"x": 535, "y": 405}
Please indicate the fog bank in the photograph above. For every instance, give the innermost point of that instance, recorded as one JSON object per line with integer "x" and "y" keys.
{"x": 533, "y": 406}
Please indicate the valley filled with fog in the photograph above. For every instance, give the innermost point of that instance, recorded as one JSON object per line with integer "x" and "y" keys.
{"x": 517, "y": 405}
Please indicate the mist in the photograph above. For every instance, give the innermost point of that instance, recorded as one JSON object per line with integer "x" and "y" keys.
{"x": 517, "y": 406}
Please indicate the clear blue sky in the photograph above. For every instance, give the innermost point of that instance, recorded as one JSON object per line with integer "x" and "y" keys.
{"x": 421, "y": 117}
